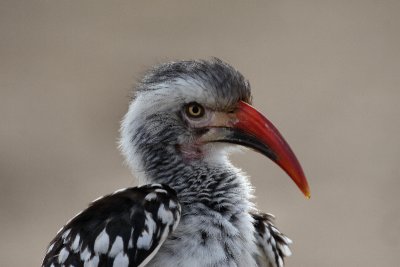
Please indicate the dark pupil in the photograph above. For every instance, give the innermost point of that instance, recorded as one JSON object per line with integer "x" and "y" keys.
{"x": 195, "y": 110}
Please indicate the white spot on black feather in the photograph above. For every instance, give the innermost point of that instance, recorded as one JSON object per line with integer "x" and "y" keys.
{"x": 102, "y": 243}
{"x": 117, "y": 247}
{"x": 93, "y": 262}
{"x": 63, "y": 255}
{"x": 86, "y": 255}
{"x": 145, "y": 240}
{"x": 75, "y": 244}
{"x": 150, "y": 196}
{"x": 165, "y": 215}
{"x": 65, "y": 236}
{"x": 162, "y": 191}
{"x": 172, "y": 204}
{"x": 121, "y": 260}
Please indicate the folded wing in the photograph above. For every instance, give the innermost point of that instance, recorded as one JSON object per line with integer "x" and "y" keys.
{"x": 273, "y": 246}
{"x": 122, "y": 229}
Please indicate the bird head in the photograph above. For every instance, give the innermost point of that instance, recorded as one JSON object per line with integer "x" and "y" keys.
{"x": 191, "y": 111}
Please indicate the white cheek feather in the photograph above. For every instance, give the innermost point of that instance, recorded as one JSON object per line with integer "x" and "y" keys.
{"x": 142, "y": 106}
{"x": 151, "y": 102}
{"x": 130, "y": 122}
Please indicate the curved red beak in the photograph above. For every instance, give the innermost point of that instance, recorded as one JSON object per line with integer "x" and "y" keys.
{"x": 256, "y": 131}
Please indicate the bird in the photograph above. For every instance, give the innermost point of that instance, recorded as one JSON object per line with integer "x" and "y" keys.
{"x": 192, "y": 207}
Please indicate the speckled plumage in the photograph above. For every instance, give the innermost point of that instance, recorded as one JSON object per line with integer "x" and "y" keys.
{"x": 115, "y": 229}
{"x": 218, "y": 224}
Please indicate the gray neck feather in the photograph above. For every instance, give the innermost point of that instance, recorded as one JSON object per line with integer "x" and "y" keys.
{"x": 199, "y": 184}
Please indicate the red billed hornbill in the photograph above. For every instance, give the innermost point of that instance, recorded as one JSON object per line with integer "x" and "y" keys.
{"x": 193, "y": 207}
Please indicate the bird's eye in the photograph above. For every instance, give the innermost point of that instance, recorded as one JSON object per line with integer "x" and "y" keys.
{"x": 194, "y": 110}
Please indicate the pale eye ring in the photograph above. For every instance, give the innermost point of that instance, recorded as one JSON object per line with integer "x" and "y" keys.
{"x": 194, "y": 110}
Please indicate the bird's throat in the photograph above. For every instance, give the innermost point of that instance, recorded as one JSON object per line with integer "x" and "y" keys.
{"x": 209, "y": 182}
{"x": 190, "y": 152}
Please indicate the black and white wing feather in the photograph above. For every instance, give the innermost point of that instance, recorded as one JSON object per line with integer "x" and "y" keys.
{"x": 273, "y": 246}
{"x": 124, "y": 229}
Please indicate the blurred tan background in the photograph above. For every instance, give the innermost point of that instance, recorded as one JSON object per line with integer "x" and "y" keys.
{"x": 325, "y": 72}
